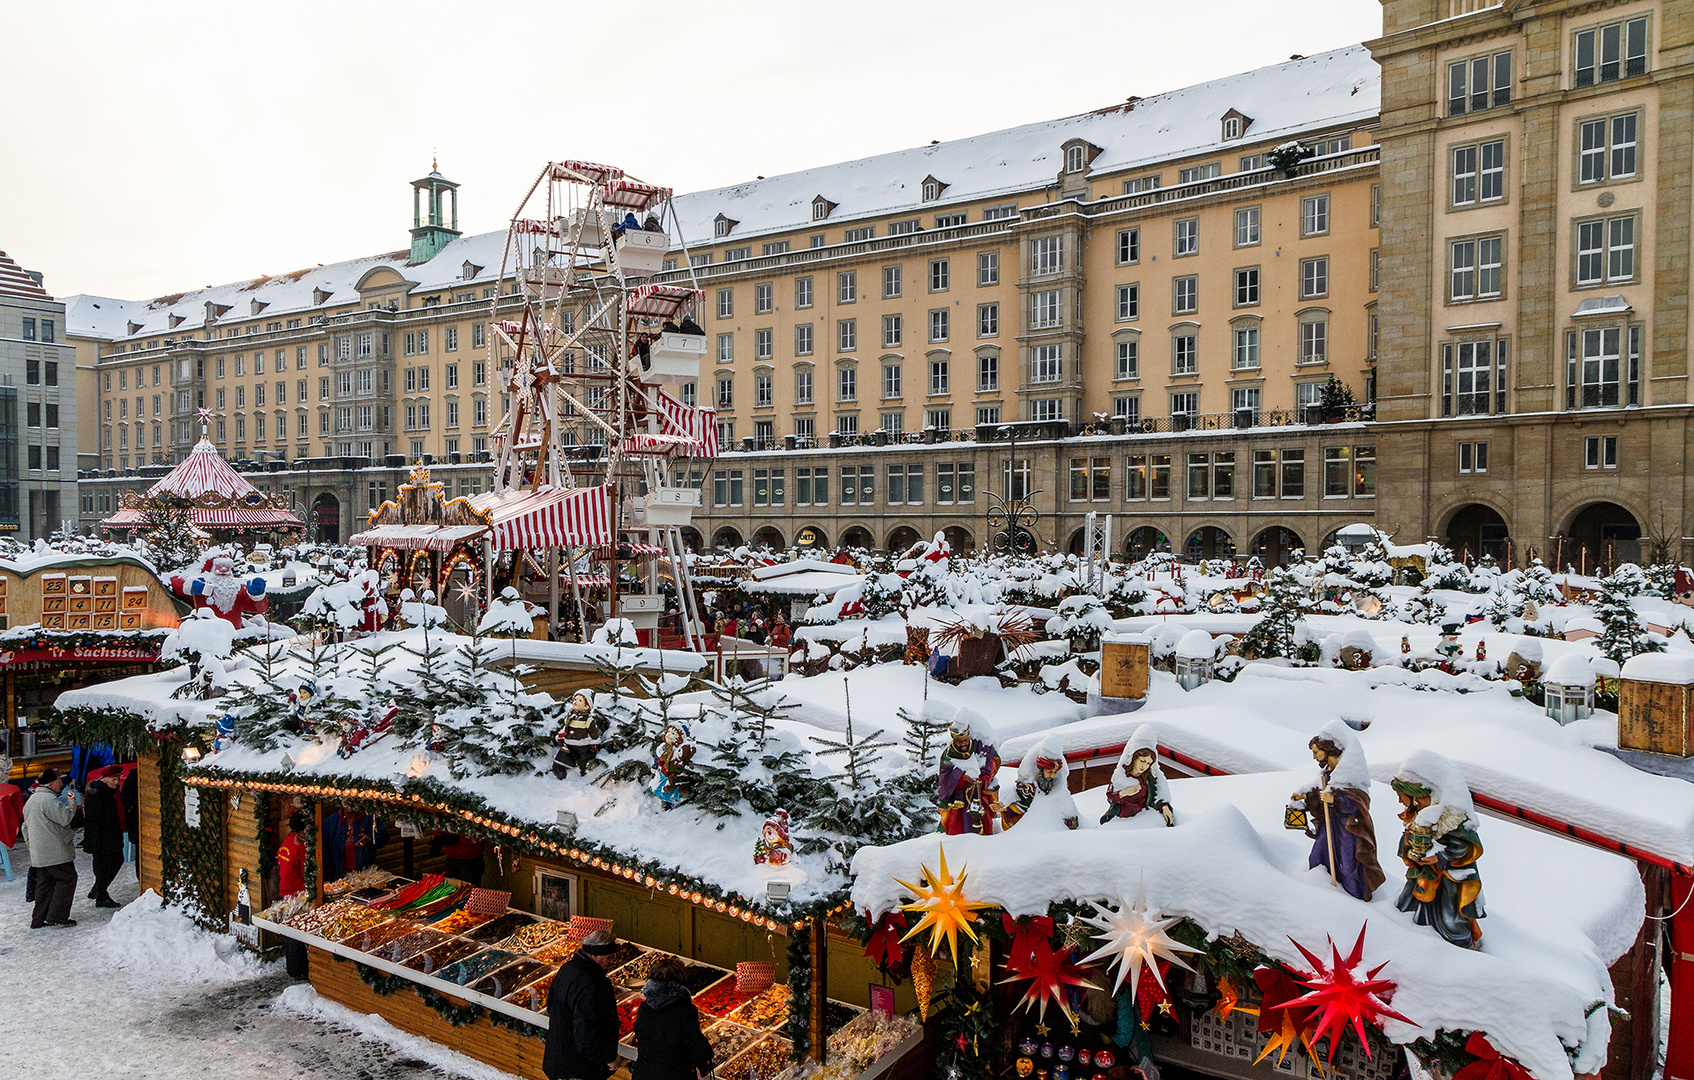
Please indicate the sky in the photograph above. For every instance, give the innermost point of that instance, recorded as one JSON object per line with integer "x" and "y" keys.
{"x": 156, "y": 148}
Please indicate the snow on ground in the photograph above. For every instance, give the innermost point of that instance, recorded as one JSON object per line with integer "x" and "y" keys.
{"x": 1545, "y": 949}
{"x": 141, "y": 993}
{"x": 878, "y": 692}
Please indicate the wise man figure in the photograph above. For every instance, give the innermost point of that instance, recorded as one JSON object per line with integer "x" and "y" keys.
{"x": 1338, "y": 812}
{"x": 966, "y": 788}
{"x": 1440, "y": 847}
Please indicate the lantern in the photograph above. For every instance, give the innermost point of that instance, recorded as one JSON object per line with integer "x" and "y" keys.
{"x": 1569, "y": 688}
{"x": 1195, "y": 654}
{"x": 1294, "y": 817}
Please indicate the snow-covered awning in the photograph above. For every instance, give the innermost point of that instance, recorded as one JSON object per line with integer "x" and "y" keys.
{"x": 550, "y": 517}
{"x": 805, "y": 583}
{"x": 417, "y": 537}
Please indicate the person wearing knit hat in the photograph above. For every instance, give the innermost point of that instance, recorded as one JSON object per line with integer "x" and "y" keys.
{"x": 582, "y": 1014}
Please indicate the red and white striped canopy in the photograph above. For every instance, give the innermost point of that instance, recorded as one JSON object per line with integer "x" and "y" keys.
{"x": 200, "y": 472}
{"x": 550, "y": 517}
{"x": 227, "y": 518}
{"x": 698, "y": 428}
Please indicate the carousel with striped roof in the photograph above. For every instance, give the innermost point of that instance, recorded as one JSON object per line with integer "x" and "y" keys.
{"x": 219, "y": 501}
{"x": 590, "y": 492}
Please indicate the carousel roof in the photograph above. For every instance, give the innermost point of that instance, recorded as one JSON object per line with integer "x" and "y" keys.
{"x": 222, "y": 497}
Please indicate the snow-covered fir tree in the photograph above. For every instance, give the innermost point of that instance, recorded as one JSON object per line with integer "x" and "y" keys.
{"x": 1624, "y": 636}
{"x": 1280, "y": 609}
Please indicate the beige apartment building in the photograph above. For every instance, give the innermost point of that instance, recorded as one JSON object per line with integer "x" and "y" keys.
{"x": 1535, "y": 249}
{"x": 1208, "y": 313}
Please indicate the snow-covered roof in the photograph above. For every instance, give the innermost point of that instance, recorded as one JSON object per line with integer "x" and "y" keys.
{"x": 1196, "y": 645}
{"x": 808, "y": 583}
{"x": 1328, "y": 90}
{"x": 796, "y": 566}
{"x": 1286, "y": 100}
{"x": 1530, "y": 989}
{"x": 1571, "y": 669}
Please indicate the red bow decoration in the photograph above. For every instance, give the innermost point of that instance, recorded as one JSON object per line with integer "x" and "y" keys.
{"x": 884, "y": 946}
{"x": 1490, "y": 1064}
{"x": 1025, "y": 932}
{"x": 1340, "y": 996}
{"x": 1048, "y": 973}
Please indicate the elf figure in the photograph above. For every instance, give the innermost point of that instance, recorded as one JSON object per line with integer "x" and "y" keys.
{"x": 1440, "y": 848}
{"x": 1405, "y": 645}
{"x": 671, "y": 779}
{"x": 578, "y": 737}
{"x": 1338, "y": 812}
{"x": 300, "y": 705}
{"x": 966, "y": 789}
{"x": 1138, "y": 783}
{"x": 1481, "y": 649}
{"x": 773, "y": 847}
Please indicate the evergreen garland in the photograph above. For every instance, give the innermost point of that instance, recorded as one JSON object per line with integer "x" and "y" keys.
{"x": 799, "y": 1027}
{"x": 457, "y": 1015}
{"x": 968, "y": 1030}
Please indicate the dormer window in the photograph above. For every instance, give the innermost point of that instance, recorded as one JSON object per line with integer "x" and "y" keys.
{"x": 134, "y": 328}
{"x": 932, "y": 189}
{"x": 320, "y": 297}
{"x": 821, "y": 208}
{"x": 721, "y": 225}
{"x": 258, "y": 306}
{"x": 469, "y": 270}
{"x": 1076, "y": 159}
{"x": 1235, "y": 124}
{"x": 175, "y": 321}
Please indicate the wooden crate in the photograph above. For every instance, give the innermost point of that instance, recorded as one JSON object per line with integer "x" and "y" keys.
{"x": 1123, "y": 669}
{"x": 1654, "y": 716}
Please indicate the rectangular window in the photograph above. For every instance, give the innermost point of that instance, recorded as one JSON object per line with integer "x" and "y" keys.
{"x": 803, "y": 386}
{"x": 1199, "y": 476}
{"x": 1046, "y": 255}
{"x": 1246, "y": 286}
{"x": 1252, "y": 162}
{"x": 987, "y": 320}
{"x": 1045, "y": 363}
{"x": 988, "y": 414}
{"x": 1129, "y": 246}
{"x": 847, "y": 287}
{"x": 1479, "y": 82}
{"x": 1045, "y": 309}
{"x": 1045, "y": 409}
{"x": 903, "y": 228}
{"x": 1128, "y": 407}
{"x": 763, "y": 301}
{"x": 1128, "y": 361}
{"x": 1090, "y": 479}
{"x": 1607, "y": 148}
{"x": 859, "y": 235}
{"x": 847, "y": 385}
{"x": 1186, "y": 403}
{"x": 846, "y": 335}
{"x": 891, "y": 331}
{"x": 938, "y": 377}
{"x": 1314, "y": 215}
{"x": 762, "y": 346}
{"x": 847, "y": 424}
{"x": 1159, "y": 476}
{"x": 988, "y": 268}
{"x": 1185, "y": 355}
{"x": 939, "y": 274}
{"x": 1185, "y": 239}
{"x": 890, "y": 381}
{"x": 1244, "y": 356}
{"x": 1198, "y": 173}
{"x": 1314, "y": 341}
{"x": 1605, "y": 250}
{"x": 891, "y": 284}
{"x": 1247, "y": 226}
{"x": 1135, "y": 477}
{"x": 988, "y": 372}
{"x": 1600, "y": 452}
{"x": 1185, "y": 295}
{"x": 803, "y": 292}
{"x": 1611, "y": 52}
{"x": 726, "y": 392}
{"x": 1314, "y": 278}
{"x": 1140, "y": 184}
{"x": 1337, "y": 475}
{"x": 1474, "y": 268}
{"x": 1293, "y": 474}
{"x": 726, "y": 303}
{"x": 951, "y": 221}
{"x": 1264, "y": 474}
{"x": 940, "y": 420}
{"x": 1129, "y": 302}
{"x": 1000, "y": 213}
{"x": 762, "y": 390}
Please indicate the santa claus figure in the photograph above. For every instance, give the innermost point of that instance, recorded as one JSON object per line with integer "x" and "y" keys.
{"x": 219, "y": 588}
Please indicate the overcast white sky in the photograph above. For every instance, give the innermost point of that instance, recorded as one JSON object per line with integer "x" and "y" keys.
{"x": 156, "y": 148}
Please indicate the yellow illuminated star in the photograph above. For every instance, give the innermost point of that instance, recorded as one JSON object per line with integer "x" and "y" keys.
{"x": 945, "y": 910}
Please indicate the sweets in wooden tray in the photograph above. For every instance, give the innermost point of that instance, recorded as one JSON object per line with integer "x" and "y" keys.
{"x": 534, "y": 996}
{"x": 534, "y": 936}
{"x": 500, "y": 928}
{"x": 768, "y": 1011}
{"x": 557, "y": 952}
{"x": 312, "y": 921}
{"x": 762, "y": 1061}
{"x": 447, "y": 953}
{"x": 729, "y": 1039}
{"x": 721, "y": 999}
{"x": 458, "y": 922}
{"x": 410, "y": 945}
{"x": 506, "y": 980}
{"x": 376, "y": 937}
{"x": 475, "y": 967}
{"x": 353, "y": 921}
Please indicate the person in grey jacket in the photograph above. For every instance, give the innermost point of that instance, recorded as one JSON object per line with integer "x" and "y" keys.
{"x": 52, "y": 851}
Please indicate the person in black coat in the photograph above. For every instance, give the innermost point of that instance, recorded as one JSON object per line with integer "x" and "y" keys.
{"x": 582, "y": 1015}
{"x": 129, "y": 795}
{"x": 103, "y": 835}
{"x": 668, "y": 1042}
